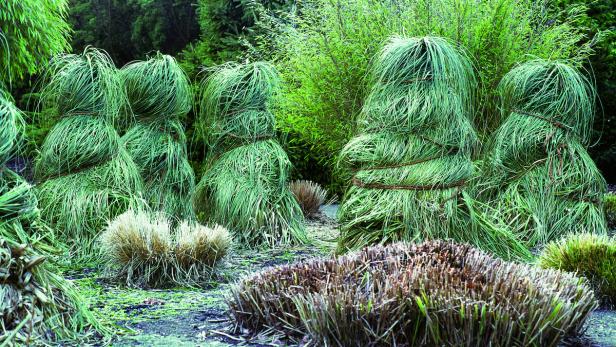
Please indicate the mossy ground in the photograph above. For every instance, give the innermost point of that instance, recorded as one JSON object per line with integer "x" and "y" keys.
{"x": 197, "y": 317}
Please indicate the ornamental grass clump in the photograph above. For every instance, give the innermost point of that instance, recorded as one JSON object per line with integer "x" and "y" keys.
{"x": 588, "y": 255}
{"x": 411, "y": 160}
{"x": 431, "y": 294}
{"x": 309, "y": 195}
{"x": 143, "y": 250}
{"x": 539, "y": 176}
{"x": 85, "y": 175}
{"x": 159, "y": 95}
{"x": 245, "y": 185}
{"x": 37, "y": 306}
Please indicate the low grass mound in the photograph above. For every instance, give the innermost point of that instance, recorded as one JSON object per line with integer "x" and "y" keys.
{"x": 588, "y": 255}
{"x": 84, "y": 174}
{"x": 245, "y": 185}
{"x": 143, "y": 250}
{"x": 159, "y": 95}
{"x": 309, "y": 195}
{"x": 431, "y": 294}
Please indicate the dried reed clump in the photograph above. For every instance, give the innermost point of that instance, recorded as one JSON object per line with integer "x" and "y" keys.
{"x": 245, "y": 185}
{"x": 85, "y": 175}
{"x": 159, "y": 95}
{"x": 588, "y": 255}
{"x": 143, "y": 250}
{"x": 538, "y": 175}
{"x": 309, "y": 195}
{"x": 432, "y": 294}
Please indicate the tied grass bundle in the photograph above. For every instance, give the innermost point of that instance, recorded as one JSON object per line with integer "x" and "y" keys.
{"x": 157, "y": 88}
{"x": 85, "y": 176}
{"x": 540, "y": 177}
{"x": 245, "y": 186}
{"x": 86, "y": 83}
{"x": 37, "y": 306}
{"x": 143, "y": 250}
{"x": 432, "y": 294}
{"x": 588, "y": 255}
{"x": 159, "y": 94}
{"x": 412, "y": 156}
{"x": 159, "y": 150}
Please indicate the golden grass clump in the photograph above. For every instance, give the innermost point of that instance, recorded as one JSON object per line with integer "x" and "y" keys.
{"x": 143, "y": 250}
{"x": 431, "y": 294}
{"x": 309, "y": 195}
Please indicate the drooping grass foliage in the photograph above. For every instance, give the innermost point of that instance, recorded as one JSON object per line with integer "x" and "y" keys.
{"x": 85, "y": 176}
{"x": 143, "y": 250}
{"x": 431, "y": 294}
{"x": 157, "y": 88}
{"x": 37, "y": 306}
{"x": 309, "y": 195}
{"x": 86, "y": 83}
{"x": 159, "y": 95}
{"x": 538, "y": 176}
{"x": 588, "y": 255}
{"x": 245, "y": 185}
{"x": 411, "y": 160}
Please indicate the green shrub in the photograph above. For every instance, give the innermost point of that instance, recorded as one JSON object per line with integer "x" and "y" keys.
{"x": 600, "y": 18}
{"x": 431, "y": 294}
{"x": 609, "y": 205}
{"x": 30, "y": 31}
{"x": 588, "y": 255}
{"x": 324, "y": 53}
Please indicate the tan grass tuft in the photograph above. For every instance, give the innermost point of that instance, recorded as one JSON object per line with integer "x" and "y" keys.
{"x": 143, "y": 250}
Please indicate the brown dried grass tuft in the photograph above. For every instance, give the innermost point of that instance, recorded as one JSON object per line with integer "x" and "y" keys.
{"x": 309, "y": 195}
{"x": 435, "y": 293}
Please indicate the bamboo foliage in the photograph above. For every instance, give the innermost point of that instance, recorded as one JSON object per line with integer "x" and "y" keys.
{"x": 245, "y": 185}
{"x": 538, "y": 173}
{"x": 85, "y": 175}
{"x": 159, "y": 95}
{"x": 411, "y": 159}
